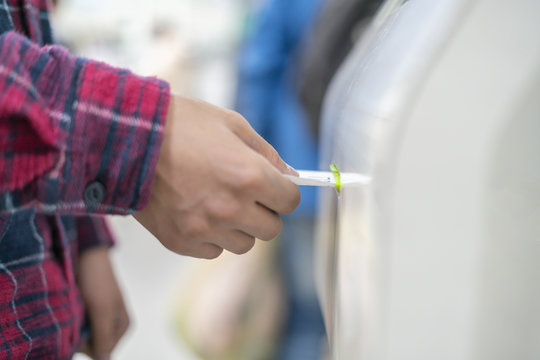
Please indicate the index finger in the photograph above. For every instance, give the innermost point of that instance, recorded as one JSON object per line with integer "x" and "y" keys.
{"x": 255, "y": 141}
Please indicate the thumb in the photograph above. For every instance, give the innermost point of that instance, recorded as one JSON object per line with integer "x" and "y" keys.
{"x": 256, "y": 142}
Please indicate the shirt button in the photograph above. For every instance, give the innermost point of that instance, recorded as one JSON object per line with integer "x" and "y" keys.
{"x": 94, "y": 193}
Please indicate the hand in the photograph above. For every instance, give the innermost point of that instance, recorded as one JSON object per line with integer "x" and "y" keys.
{"x": 218, "y": 184}
{"x": 104, "y": 303}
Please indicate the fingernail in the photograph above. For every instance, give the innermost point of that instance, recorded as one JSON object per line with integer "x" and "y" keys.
{"x": 291, "y": 170}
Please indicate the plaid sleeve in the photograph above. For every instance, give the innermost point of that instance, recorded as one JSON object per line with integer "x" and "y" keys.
{"x": 93, "y": 231}
{"x": 76, "y": 136}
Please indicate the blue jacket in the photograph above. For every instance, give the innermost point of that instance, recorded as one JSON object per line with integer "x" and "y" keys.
{"x": 267, "y": 95}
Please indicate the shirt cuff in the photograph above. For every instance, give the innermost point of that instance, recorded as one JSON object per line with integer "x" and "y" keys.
{"x": 115, "y": 139}
{"x": 78, "y": 136}
{"x": 93, "y": 231}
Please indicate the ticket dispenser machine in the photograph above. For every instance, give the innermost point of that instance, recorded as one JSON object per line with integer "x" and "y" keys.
{"x": 439, "y": 256}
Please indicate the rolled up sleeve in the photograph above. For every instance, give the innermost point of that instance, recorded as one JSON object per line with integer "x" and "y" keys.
{"x": 76, "y": 136}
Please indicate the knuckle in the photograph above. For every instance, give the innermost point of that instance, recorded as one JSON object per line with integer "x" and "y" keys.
{"x": 223, "y": 209}
{"x": 177, "y": 244}
{"x": 194, "y": 228}
{"x": 244, "y": 246}
{"x": 209, "y": 251}
{"x": 235, "y": 120}
{"x": 250, "y": 178}
{"x": 236, "y": 116}
{"x": 273, "y": 230}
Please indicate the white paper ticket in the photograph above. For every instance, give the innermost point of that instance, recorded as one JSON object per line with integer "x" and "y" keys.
{"x": 327, "y": 178}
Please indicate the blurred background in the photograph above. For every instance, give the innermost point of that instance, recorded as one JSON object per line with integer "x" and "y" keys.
{"x": 190, "y": 43}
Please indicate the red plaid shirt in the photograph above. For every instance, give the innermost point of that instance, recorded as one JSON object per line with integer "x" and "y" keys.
{"x": 77, "y": 137}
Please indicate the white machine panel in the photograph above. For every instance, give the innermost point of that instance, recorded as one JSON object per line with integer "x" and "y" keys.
{"x": 439, "y": 256}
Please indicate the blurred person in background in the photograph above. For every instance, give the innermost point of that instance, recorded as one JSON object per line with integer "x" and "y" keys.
{"x": 336, "y": 31}
{"x": 285, "y": 68}
{"x": 268, "y": 69}
{"x": 79, "y": 139}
